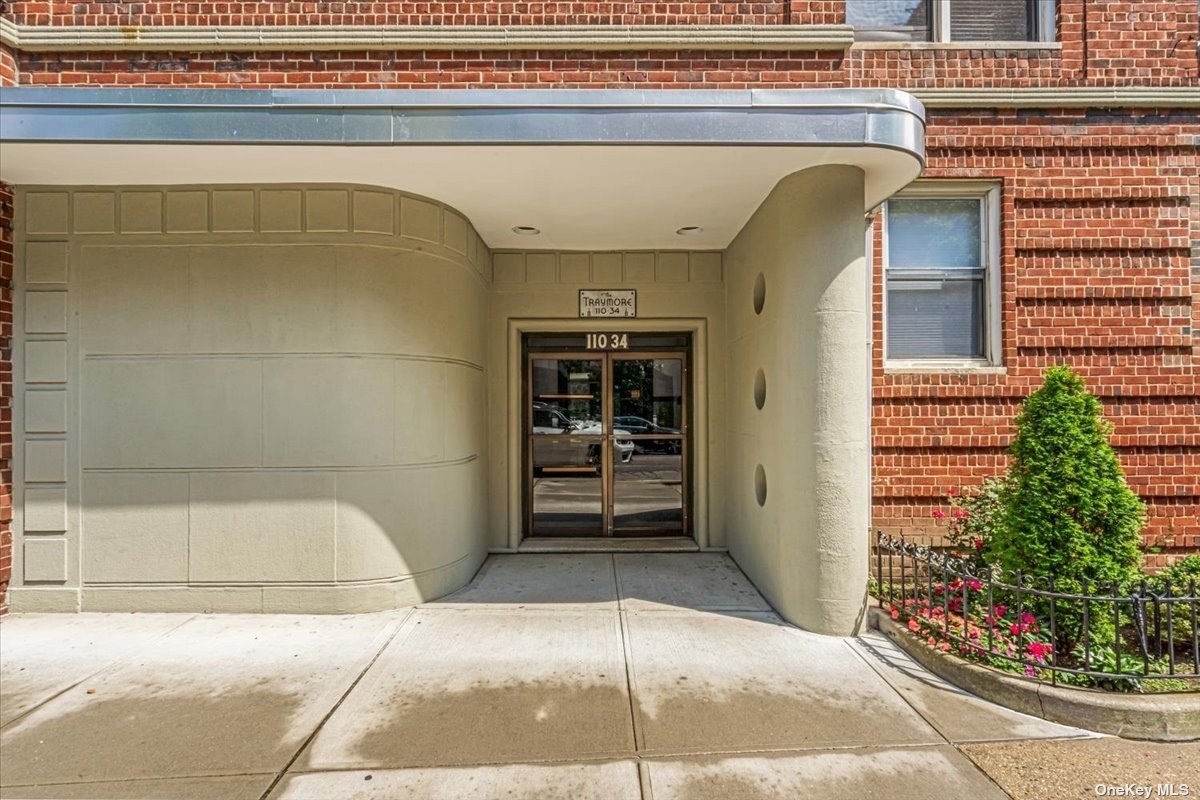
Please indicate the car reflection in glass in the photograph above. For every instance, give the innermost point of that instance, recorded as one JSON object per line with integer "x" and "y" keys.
{"x": 639, "y": 426}
{"x": 551, "y": 452}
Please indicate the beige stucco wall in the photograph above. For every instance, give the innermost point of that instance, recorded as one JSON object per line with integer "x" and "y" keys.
{"x": 539, "y": 291}
{"x": 804, "y": 544}
{"x": 291, "y": 398}
{"x": 247, "y": 398}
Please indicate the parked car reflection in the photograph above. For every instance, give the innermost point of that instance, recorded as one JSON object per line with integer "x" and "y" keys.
{"x": 640, "y": 426}
{"x": 555, "y": 446}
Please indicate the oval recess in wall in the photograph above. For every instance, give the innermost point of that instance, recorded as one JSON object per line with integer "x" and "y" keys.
{"x": 760, "y": 389}
{"x": 760, "y": 485}
{"x": 760, "y": 293}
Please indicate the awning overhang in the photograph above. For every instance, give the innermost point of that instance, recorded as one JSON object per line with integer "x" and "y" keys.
{"x": 591, "y": 169}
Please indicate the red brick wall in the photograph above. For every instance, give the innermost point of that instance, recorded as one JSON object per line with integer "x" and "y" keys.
{"x": 8, "y": 67}
{"x": 1099, "y": 213}
{"x": 1129, "y": 41}
{"x": 454, "y": 70}
{"x": 467, "y": 12}
{"x": 6, "y": 387}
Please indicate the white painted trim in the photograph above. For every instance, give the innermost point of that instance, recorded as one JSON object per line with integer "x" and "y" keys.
{"x": 187, "y": 38}
{"x": 952, "y": 45}
{"x": 940, "y": 22}
{"x": 987, "y": 192}
{"x": 938, "y": 367}
{"x": 1054, "y": 97}
{"x": 1047, "y": 14}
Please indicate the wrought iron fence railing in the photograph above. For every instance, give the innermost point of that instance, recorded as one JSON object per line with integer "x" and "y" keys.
{"x": 1142, "y": 636}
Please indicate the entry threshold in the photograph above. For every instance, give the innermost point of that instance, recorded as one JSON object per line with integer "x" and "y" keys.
{"x": 645, "y": 544}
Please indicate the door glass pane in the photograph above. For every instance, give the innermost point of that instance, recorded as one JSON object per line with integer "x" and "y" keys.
{"x": 648, "y": 396}
{"x": 566, "y": 395}
{"x": 648, "y": 472}
{"x": 929, "y": 319}
{"x": 567, "y": 491}
{"x": 648, "y": 486}
{"x": 942, "y": 233}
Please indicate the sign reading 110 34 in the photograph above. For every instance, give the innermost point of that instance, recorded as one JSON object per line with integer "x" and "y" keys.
{"x": 608, "y": 341}
{"x": 608, "y": 302}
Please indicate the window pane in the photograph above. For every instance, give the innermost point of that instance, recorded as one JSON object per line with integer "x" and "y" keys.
{"x": 939, "y": 233}
{"x": 990, "y": 20}
{"x": 901, "y": 20}
{"x": 930, "y": 319}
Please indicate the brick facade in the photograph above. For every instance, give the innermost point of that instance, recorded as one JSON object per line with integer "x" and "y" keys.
{"x": 468, "y": 12}
{"x": 1100, "y": 207}
{"x": 1099, "y": 220}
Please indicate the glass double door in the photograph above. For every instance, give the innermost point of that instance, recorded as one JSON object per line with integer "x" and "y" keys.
{"x": 607, "y": 444}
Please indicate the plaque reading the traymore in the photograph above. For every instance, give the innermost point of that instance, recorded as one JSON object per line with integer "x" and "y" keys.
{"x": 608, "y": 303}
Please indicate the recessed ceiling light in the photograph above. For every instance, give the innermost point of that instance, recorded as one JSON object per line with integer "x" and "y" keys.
{"x": 689, "y": 230}
{"x": 525, "y": 230}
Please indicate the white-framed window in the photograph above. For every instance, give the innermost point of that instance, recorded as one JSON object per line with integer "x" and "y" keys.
{"x": 952, "y": 20}
{"x": 941, "y": 266}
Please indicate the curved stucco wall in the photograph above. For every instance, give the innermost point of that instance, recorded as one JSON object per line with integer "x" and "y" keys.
{"x": 798, "y": 396}
{"x": 248, "y": 398}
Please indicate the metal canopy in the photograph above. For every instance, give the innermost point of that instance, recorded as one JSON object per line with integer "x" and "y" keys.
{"x": 592, "y": 169}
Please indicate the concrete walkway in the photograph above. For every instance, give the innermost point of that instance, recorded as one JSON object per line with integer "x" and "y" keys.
{"x": 551, "y": 676}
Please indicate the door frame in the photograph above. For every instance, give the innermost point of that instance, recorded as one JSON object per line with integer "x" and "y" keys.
{"x": 606, "y": 438}
{"x": 699, "y": 433}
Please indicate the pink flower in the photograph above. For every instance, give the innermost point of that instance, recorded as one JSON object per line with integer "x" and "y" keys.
{"x": 1000, "y": 609}
{"x": 961, "y": 513}
{"x": 1030, "y": 672}
{"x": 1039, "y": 650}
{"x": 1014, "y": 629}
{"x": 895, "y": 613}
{"x": 938, "y": 514}
{"x": 932, "y": 642}
{"x": 944, "y": 647}
{"x": 951, "y": 491}
{"x": 974, "y": 585}
{"x": 977, "y": 544}
{"x": 913, "y": 625}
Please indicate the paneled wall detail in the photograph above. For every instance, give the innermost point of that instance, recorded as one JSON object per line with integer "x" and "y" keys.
{"x": 248, "y": 398}
{"x": 584, "y": 268}
{"x": 48, "y": 552}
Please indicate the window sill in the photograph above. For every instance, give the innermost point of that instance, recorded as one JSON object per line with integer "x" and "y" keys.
{"x": 981, "y": 45}
{"x": 943, "y": 368}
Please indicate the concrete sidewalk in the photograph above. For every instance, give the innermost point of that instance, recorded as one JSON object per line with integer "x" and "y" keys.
{"x": 551, "y": 676}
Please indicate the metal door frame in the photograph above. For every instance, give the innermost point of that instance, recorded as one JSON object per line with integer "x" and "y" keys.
{"x": 606, "y": 438}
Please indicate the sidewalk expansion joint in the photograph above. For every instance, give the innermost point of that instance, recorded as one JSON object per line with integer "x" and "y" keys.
{"x": 321, "y": 724}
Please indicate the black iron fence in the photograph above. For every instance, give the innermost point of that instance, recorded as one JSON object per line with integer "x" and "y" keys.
{"x": 1142, "y": 636}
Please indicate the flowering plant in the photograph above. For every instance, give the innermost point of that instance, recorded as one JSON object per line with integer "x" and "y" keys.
{"x": 1010, "y": 642}
{"x": 972, "y": 519}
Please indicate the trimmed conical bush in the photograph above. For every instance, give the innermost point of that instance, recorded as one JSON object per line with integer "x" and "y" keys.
{"x": 1067, "y": 510}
